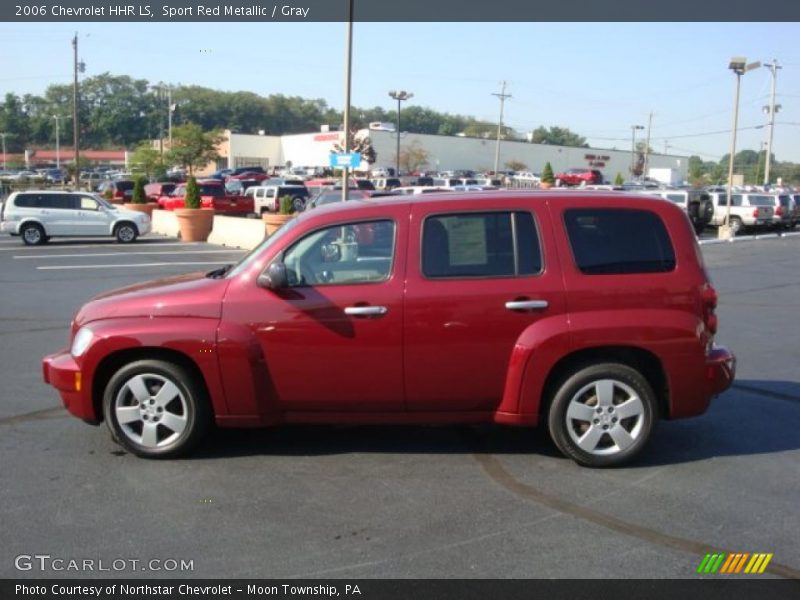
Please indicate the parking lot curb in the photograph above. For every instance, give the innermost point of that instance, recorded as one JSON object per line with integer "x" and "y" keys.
{"x": 749, "y": 238}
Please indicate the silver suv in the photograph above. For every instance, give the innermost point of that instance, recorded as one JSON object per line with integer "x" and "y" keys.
{"x": 36, "y": 216}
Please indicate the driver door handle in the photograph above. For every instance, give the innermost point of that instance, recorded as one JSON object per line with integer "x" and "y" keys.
{"x": 366, "y": 311}
{"x": 526, "y": 304}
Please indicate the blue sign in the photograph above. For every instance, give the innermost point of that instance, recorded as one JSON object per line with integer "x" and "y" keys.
{"x": 350, "y": 160}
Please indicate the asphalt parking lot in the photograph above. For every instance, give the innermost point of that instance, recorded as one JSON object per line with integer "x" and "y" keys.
{"x": 364, "y": 502}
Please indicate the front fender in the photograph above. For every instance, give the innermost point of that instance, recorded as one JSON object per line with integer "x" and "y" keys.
{"x": 194, "y": 338}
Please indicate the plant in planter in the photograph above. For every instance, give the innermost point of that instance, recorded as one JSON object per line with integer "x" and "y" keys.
{"x": 273, "y": 221}
{"x": 619, "y": 179}
{"x": 194, "y": 222}
{"x": 548, "y": 179}
{"x": 138, "y": 200}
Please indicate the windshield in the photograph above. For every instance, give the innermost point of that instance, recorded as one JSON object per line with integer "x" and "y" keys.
{"x": 103, "y": 202}
{"x": 251, "y": 256}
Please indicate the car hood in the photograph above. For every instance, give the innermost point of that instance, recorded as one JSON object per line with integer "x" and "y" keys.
{"x": 190, "y": 295}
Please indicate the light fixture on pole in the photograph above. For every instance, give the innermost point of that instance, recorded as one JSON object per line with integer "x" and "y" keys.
{"x": 399, "y": 96}
{"x": 739, "y": 66}
{"x": 633, "y": 148}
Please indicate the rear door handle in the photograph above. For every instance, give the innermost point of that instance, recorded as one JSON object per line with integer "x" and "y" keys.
{"x": 366, "y": 311}
{"x": 526, "y": 304}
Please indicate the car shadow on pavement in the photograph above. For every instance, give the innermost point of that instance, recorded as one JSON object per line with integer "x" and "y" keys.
{"x": 755, "y": 417}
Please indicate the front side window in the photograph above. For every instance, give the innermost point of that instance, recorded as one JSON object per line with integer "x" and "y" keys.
{"x": 609, "y": 241}
{"x": 496, "y": 244}
{"x": 342, "y": 254}
{"x": 87, "y": 203}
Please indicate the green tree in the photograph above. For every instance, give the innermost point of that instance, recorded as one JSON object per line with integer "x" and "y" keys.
{"x": 558, "y": 136}
{"x": 15, "y": 123}
{"x": 192, "y": 199}
{"x": 138, "y": 191}
{"x": 619, "y": 179}
{"x": 192, "y": 148}
{"x": 547, "y": 174}
{"x": 147, "y": 159}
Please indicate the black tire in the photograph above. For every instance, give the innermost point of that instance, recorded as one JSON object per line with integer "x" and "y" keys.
{"x": 584, "y": 426}
{"x": 298, "y": 204}
{"x": 158, "y": 425}
{"x": 126, "y": 233}
{"x": 33, "y": 234}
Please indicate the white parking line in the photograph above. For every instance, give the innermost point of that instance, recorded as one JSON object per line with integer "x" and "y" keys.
{"x": 106, "y": 245}
{"x": 117, "y": 266}
{"x": 87, "y": 255}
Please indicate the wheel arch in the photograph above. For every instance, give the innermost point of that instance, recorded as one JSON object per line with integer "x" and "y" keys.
{"x": 635, "y": 357}
{"x": 113, "y": 362}
{"x": 117, "y": 224}
{"x": 31, "y": 221}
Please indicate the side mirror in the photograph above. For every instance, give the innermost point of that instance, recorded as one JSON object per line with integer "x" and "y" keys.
{"x": 274, "y": 278}
{"x": 331, "y": 253}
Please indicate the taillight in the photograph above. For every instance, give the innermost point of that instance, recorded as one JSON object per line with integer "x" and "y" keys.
{"x": 118, "y": 194}
{"x": 779, "y": 211}
{"x": 755, "y": 212}
{"x": 709, "y": 299}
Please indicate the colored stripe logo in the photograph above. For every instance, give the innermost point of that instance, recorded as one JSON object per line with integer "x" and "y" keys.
{"x": 733, "y": 563}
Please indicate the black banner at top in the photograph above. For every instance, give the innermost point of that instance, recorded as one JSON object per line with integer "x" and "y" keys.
{"x": 398, "y": 10}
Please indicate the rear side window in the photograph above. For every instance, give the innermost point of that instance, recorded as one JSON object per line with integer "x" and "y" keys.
{"x": 608, "y": 241}
{"x": 45, "y": 201}
{"x": 497, "y": 244}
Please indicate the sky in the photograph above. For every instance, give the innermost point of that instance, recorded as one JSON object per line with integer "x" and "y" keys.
{"x": 597, "y": 79}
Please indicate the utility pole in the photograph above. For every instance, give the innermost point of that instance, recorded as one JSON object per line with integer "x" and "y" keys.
{"x": 771, "y": 110}
{"x": 647, "y": 144}
{"x": 348, "y": 84}
{"x": 75, "y": 124}
{"x": 169, "y": 115}
{"x": 502, "y": 96}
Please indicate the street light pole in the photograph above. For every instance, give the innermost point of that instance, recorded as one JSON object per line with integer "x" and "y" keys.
{"x": 58, "y": 149}
{"x": 348, "y": 84}
{"x": 739, "y": 66}
{"x": 633, "y": 147}
{"x": 399, "y": 96}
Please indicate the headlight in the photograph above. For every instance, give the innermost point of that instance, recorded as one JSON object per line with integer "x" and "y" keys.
{"x": 81, "y": 341}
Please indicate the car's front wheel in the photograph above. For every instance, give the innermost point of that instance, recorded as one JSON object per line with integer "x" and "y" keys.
{"x": 126, "y": 233}
{"x": 155, "y": 409}
{"x": 602, "y": 415}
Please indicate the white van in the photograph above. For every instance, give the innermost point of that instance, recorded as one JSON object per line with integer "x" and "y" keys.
{"x": 37, "y": 216}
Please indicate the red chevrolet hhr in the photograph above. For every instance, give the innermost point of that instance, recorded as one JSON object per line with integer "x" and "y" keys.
{"x": 589, "y": 312}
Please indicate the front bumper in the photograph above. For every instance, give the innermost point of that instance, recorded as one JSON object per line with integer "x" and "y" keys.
{"x": 62, "y": 372}
{"x": 720, "y": 370}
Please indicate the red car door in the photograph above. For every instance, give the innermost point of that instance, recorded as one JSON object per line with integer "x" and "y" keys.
{"x": 332, "y": 341}
{"x": 478, "y": 276}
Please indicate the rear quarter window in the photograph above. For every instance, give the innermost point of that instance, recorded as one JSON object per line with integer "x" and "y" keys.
{"x": 610, "y": 241}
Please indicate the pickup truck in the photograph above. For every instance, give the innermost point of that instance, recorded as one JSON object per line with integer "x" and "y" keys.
{"x": 747, "y": 210}
{"x": 212, "y": 195}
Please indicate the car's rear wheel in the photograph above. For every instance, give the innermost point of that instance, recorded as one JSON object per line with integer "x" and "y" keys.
{"x": 33, "y": 234}
{"x": 155, "y": 409}
{"x": 602, "y": 415}
{"x": 126, "y": 233}
{"x": 736, "y": 225}
{"x": 298, "y": 204}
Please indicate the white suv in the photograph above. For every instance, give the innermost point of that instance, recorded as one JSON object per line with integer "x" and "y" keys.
{"x": 39, "y": 215}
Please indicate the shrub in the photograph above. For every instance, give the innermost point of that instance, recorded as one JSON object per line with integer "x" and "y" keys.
{"x": 286, "y": 206}
{"x": 619, "y": 179}
{"x": 108, "y": 195}
{"x": 138, "y": 191}
{"x": 192, "y": 194}
{"x": 547, "y": 174}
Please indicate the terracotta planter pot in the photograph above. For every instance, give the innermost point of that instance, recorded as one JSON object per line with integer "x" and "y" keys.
{"x": 195, "y": 223}
{"x": 273, "y": 221}
{"x": 144, "y": 208}
{"x": 545, "y": 186}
